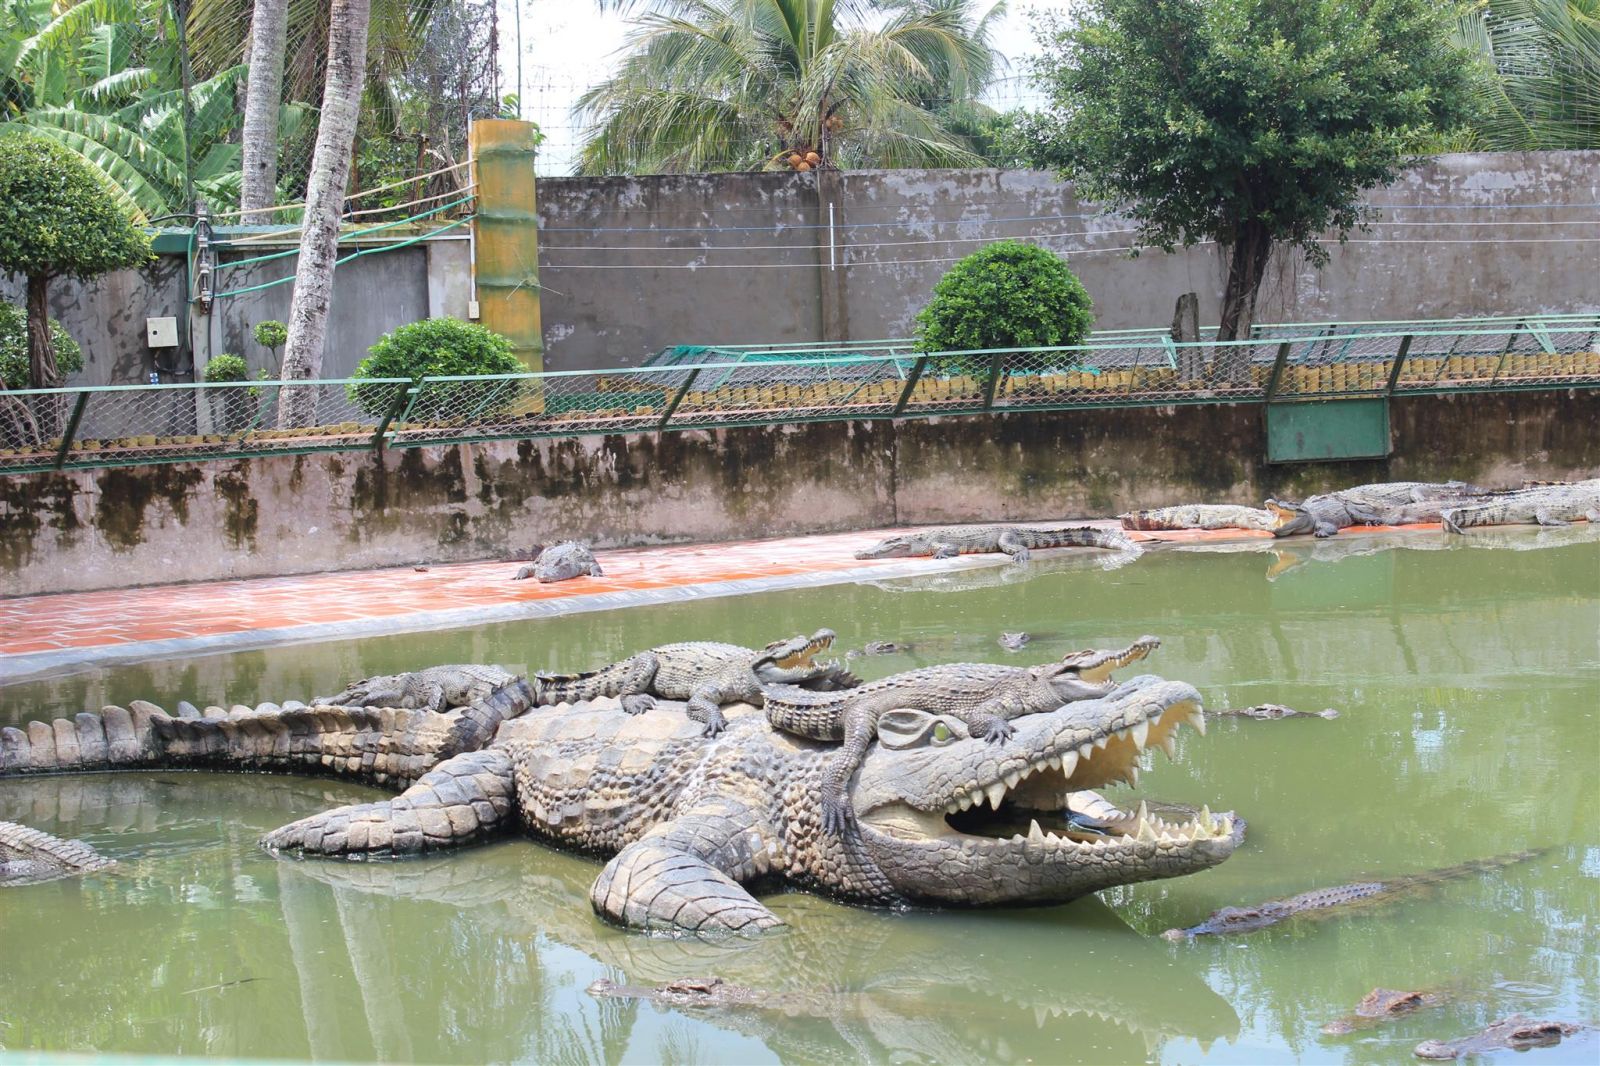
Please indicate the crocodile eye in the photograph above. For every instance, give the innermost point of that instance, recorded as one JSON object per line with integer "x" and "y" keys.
{"x": 942, "y": 734}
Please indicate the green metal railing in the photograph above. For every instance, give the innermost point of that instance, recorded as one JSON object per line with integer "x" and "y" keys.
{"x": 117, "y": 425}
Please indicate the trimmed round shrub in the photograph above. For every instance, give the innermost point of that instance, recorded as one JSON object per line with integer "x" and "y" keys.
{"x": 272, "y": 334}
{"x": 1007, "y": 295}
{"x": 14, "y": 347}
{"x": 226, "y": 367}
{"x": 440, "y": 347}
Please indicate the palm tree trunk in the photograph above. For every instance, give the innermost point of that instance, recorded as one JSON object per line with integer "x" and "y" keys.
{"x": 319, "y": 237}
{"x": 268, "y": 30}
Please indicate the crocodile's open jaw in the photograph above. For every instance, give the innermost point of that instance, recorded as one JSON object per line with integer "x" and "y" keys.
{"x": 799, "y": 651}
{"x": 1004, "y": 827}
{"x": 1292, "y": 519}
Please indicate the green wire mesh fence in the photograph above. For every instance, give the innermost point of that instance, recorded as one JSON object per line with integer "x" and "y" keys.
{"x": 732, "y": 386}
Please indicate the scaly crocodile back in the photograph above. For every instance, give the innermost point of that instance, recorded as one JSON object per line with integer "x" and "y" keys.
{"x": 43, "y": 856}
{"x": 608, "y": 680}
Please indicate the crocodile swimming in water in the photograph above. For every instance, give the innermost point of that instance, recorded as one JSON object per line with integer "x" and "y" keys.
{"x": 29, "y": 856}
{"x": 705, "y": 673}
{"x": 690, "y": 819}
{"x": 1544, "y": 505}
{"x": 982, "y": 697}
{"x": 1015, "y": 541}
{"x": 1339, "y": 899}
{"x": 1382, "y": 1004}
{"x": 1270, "y": 711}
{"x": 1326, "y": 514}
{"x": 435, "y": 688}
{"x": 1200, "y": 516}
{"x": 561, "y": 562}
{"x": 1516, "y": 1033}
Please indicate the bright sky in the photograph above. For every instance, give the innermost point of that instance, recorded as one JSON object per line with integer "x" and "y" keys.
{"x": 568, "y": 45}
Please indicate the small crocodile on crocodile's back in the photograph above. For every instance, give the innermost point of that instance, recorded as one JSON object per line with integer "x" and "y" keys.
{"x": 982, "y": 698}
{"x": 435, "y": 688}
{"x": 1015, "y": 541}
{"x": 1200, "y": 516}
{"x": 705, "y": 673}
{"x": 1229, "y": 920}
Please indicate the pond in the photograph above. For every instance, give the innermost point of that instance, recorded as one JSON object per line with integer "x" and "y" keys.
{"x": 1465, "y": 672}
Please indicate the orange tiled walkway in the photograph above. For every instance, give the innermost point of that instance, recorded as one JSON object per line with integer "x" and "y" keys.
{"x": 42, "y": 633}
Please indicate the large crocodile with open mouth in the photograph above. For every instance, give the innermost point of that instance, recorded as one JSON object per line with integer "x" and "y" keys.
{"x": 1326, "y": 514}
{"x": 1015, "y": 541}
{"x": 691, "y": 819}
{"x": 983, "y": 697}
{"x": 705, "y": 673}
{"x": 1544, "y": 505}
{"x": 29, "y": 856}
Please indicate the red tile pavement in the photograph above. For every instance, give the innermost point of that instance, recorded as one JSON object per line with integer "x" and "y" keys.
{"x": 80, "y": 620}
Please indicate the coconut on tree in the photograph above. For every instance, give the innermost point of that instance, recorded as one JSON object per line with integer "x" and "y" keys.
{"x": 790, "y": 84}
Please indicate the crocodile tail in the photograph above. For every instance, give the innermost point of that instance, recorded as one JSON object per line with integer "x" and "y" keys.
{"x": 805, "y": 713}
{"x": 381, "y": 744}
{"x": 39, "y": 846}
{"x": 610, "y": 680}
{"x": 1085, "y": 537}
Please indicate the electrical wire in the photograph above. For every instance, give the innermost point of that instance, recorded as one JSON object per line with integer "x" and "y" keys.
{"x": 353, "y": 196}
{"x": 349, "y": 258}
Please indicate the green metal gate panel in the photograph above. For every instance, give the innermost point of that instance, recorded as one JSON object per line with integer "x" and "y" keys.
{"x": 1339, "y": 429}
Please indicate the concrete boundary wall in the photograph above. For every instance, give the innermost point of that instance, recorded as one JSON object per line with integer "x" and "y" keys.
{"x": 131, "y": 526}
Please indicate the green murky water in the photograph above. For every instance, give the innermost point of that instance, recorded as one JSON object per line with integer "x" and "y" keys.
{"x": 1468, "y": 681}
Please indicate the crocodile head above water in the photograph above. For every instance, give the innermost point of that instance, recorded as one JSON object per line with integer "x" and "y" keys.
{"x": 951, "y": 819}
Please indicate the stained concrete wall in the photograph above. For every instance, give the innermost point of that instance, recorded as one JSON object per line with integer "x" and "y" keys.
{"x": 630, "y": 265}
{"x": 372, "y": 295}
{"x": 143, "y": 525}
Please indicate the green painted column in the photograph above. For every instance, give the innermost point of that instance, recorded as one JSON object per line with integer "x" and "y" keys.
{"x": 505, "y": 262}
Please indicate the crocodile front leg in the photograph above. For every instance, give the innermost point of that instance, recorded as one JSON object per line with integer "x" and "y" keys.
{"x": 1010, "y": 542}
{"x": 458, "y": 801}
{"x": 705, "y": 705}
{"x": 684, "y": 875}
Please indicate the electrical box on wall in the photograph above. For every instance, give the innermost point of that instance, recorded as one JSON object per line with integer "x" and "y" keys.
{"x": 161, "y": 332}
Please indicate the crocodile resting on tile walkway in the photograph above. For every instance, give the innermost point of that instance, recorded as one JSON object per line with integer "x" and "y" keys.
{"x": 1326, "y": 514}
{"x": 1014, "y": 541}
{"x": 1200, "y": 516}
{"x": 29, "y": 856}
{"x": 1545, "y": 505}
{"x": 981, "y": 699}
{"x": 436, "y": 688}
{"x": 705, "y": 673}
{"x": 690, "y": 819}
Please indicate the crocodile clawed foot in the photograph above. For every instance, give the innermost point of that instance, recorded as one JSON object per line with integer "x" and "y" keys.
{"x": 999, "y": 731}
{"x": 838, "y": 818}
{"x": 715, "y": 724}
{"x": 637, "y": 703}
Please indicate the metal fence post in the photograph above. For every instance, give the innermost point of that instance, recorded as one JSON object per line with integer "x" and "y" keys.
{"x": 402, "y": 398}
{"x": 911, "y": 385}
{"x": 72, "y": 429}
{"x": 677, "y": 398}
{"x": 1277, "y": 369}
{"x": 1399, "y": 362}
{"x": 995, "y": 366}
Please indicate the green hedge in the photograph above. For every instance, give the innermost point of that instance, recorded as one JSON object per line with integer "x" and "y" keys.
{"x": 440, "y": 347}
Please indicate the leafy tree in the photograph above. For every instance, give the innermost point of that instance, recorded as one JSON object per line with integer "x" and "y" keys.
{"x": 1247, "y": 122}
{"x": 1006, "y": 295}
{"x": 14, "y": 347}
{"x": 60, "y": 218}
{"x": 1541, "y": 88}
{"x": 103, "y": 80}
{"x": 745, "y": 84}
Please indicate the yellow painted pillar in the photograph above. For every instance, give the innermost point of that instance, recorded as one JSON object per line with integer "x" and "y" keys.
{"x": 505, "y": 263}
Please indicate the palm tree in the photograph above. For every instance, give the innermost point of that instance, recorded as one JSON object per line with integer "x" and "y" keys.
{"x": 750, "y": 84}
{"x": 319, "y": 237}
{"x": 1543, "y": 87}
{"x": 269, "y": 27}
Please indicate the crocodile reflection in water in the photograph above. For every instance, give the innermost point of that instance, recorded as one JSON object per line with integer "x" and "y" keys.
{"x": 885, "y": 979}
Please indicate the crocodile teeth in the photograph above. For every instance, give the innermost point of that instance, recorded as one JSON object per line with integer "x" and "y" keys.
{"x": 1102, "y": 740}
{"x": 1147, "y": 834}
{"x": 1054, "y": 762}
{"x": 1144, "y": 811}
{"x": 1198, "y": 720}
{"x": 964, "y": 801}
{"x": 1166, "y": 744}
{"x": 951, "y": 808}
{"x": 977, "y": 797}
{"x": 1141, "y": 734}
{"x": 1035, "y": 834}
{"x": 1068, "y": 763}
{"x": 1086, "y": 749}
{"x": 1205, "y": 817}
{"x": 1013, "y": 779}
{"x": 1132, "y": 776}
{"x": 996, "y": 792}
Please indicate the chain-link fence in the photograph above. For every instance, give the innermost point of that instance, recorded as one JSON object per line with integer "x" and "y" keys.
{"x": 768, "y": 385}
